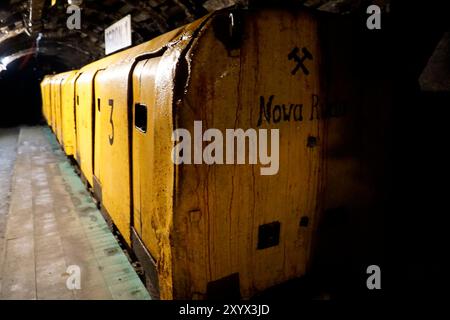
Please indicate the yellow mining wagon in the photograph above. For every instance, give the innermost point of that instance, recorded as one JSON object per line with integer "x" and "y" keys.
{"x": 68, "y": 112}
{"x": 58, "y": 104}
{"x": 226, "y": 228}
{"x": 219, "y": 224}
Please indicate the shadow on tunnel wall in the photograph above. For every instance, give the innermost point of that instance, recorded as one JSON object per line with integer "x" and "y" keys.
{"x": 20, "y": 90}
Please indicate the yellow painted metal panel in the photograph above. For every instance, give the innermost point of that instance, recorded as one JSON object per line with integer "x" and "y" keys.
{"x": 58, "y": 90}
{"x": 146, "y": 221}
{"x": 57, "y": 106}
{"x": 48, "y": 98}
{"x": 98, "y": 147}
{"x": 156, "y": 182}
{"x": 68, "y": 112}
{"x": 112, "y": 144}
{"x": 56, "y": 99}
{"x": 55, "y": 87}
{"x": 45, "y": 98}
{"x": 137, "y": 139}
{"x": 83, "y": 107}
{"x": 153, "y": 85}
{"x": 47, "y": 101}
{"x": 52, "y": 104}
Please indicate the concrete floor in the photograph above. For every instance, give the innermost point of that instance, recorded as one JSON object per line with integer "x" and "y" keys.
{"x": 8, "y": 152}
{"x": 49, "y": 222}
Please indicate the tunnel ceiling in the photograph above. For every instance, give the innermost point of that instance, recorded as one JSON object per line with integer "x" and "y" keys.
{"x": 39, "y": 26}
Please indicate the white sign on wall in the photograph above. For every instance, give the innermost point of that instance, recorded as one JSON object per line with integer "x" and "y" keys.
{"x": 118, "y": 35}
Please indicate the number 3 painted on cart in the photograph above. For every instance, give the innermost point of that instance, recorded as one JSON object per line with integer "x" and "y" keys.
{"x": 111, "y": 136}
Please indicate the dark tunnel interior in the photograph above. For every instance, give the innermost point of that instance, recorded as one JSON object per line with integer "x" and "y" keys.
{"x": 20, "y": 89}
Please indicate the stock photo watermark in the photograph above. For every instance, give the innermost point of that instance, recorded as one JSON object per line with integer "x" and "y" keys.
{"x": 74, "y": 10}
{"x": 374, "y": 280}
{"x": 235, "y": 147}
{"x": 374, "y": 20}
{"x": 73, "y": 282}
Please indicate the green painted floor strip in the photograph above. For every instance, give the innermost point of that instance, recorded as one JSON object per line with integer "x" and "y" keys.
{"x": 119, "y": 275}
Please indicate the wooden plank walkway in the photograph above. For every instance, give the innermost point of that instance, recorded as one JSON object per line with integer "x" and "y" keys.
{"x": 53, "y": 224}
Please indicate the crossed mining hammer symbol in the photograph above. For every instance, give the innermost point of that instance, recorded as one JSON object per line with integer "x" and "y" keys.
{"x": 294, "y": 55}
